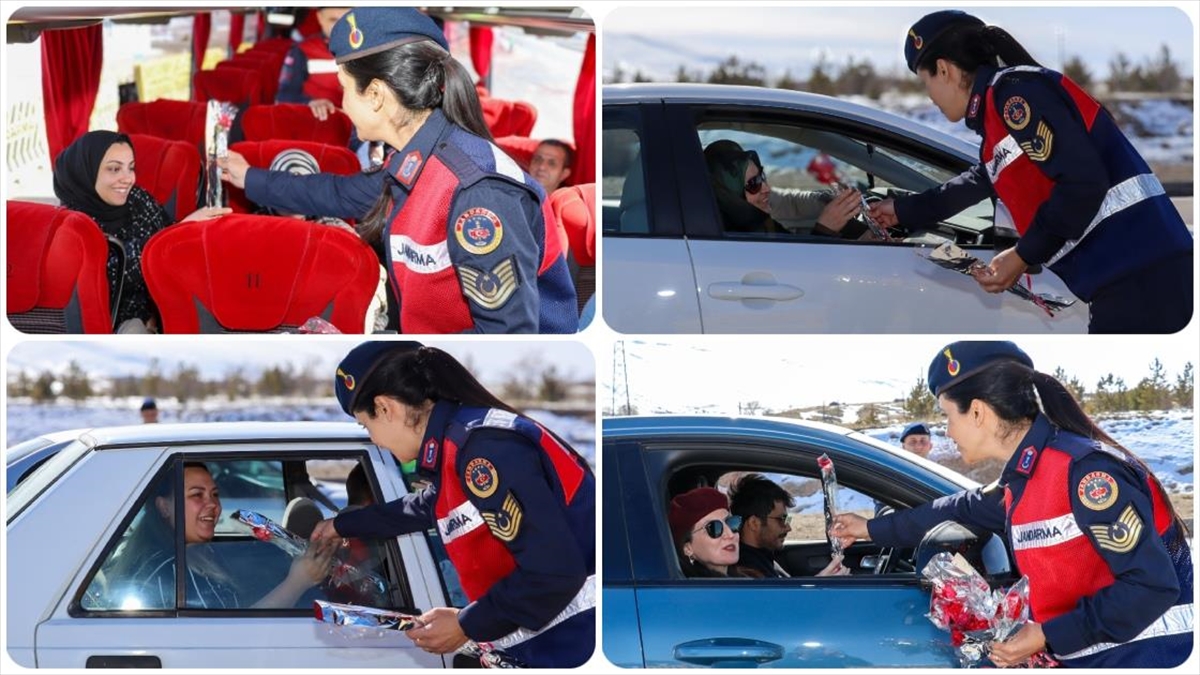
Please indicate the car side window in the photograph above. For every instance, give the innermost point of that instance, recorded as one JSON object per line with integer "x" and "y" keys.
{"x": 806, "y": 517}
{"x": 225, "y": 567}
{"x": 805, "y": 165}
{"x": 623, "y": 178}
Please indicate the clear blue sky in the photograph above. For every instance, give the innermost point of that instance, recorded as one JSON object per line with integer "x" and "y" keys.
{"x": 659, "y": 38}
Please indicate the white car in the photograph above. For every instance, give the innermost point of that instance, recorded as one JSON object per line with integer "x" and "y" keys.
{"x": 73, "y": 520}
{"x": 670, "y": 266}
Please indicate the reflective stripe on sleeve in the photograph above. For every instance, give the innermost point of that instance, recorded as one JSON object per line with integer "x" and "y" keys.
{"x": 1179, "y": 619}
{"x": 1121, "y": 196}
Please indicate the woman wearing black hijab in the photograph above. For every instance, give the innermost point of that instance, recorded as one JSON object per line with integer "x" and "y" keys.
{"x": 95, "y": 176}
{"x": 748, "y": 204}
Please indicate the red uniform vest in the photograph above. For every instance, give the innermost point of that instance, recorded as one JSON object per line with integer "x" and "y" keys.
{"x": 478, "y": 556}
{"x": 1018, "y": 182}
{"x": 1048, "y": 544}
{"x": 431, "y": 298}
{"x": 322, "y": 79}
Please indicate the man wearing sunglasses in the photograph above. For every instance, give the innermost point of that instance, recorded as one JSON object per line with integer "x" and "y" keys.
{"x": 763, "y": 506}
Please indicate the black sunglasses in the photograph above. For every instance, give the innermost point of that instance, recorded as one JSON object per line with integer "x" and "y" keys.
{"x": 754, "y": 185}
{"x": 715, "y": 528}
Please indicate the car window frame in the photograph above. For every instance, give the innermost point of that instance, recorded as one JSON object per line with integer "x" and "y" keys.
{"x": 27, "y": 492}
{"x": 658, "y": 172}
{"x": 665, "y": 457}
{"x": 703, "y": 220}
{"x": 172, "y": 463}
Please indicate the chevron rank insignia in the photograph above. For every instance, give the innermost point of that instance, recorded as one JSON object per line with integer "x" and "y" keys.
{"x": 1121, "y": 536}
{"x": 490, "y": 289}
{"x": 1038, "y": 148}
{"x": 505, "y": 523}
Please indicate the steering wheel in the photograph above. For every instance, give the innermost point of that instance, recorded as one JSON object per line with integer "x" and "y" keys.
{"x": 952, "y": 537}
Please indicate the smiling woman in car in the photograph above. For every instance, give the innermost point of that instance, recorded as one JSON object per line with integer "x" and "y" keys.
{"x": 150, "y": 562}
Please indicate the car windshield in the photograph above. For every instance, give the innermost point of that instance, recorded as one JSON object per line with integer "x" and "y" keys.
{"x": 36, "y": 483}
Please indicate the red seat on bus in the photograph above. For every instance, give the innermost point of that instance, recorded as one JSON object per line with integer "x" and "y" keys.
{"x": 260, "y": 154}
{"x": 508, "y": 118}
{"x": 295, "y": 121}
{"x": 575, "y": 209}
{"x": 268, "y": 63}
{"x": 56, "y": 277}
{"x": 239, "y": 86}
{"x": 170, "y": 171}
{"x": 250, "y": 273}
{"x": 165, "y": 118}
{"x": 279, "y": 45}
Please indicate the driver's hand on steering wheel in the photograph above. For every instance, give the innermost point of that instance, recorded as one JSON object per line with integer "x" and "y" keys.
{"x": 849, "y": 528}
{"x": 884, "y": 212}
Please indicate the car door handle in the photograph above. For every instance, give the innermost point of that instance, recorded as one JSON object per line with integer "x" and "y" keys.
{"x": 754, "y": 286}
{"x": 728, "y": 652}
{"x": 123, "y": 661}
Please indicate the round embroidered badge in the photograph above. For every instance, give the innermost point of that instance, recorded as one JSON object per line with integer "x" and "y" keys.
{"x": 479, "y": 230}
{"x": 1016, "y": 113}
{"x": 1097, "y": 490}
{"x": 481, "y": 478}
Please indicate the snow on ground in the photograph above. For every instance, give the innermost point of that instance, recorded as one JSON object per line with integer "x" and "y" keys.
{"x": 26, "y": 420}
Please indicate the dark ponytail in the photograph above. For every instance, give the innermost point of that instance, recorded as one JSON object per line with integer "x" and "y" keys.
{"x": 1009, "y": 388}
{"x": 425, "y": 374}
{"x": 423, "y": 76}
{"x": 972, "y": 46}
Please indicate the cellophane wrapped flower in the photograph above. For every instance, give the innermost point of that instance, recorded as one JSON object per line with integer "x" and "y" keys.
{"x": 218, "y": 122}
{"x": 963, "y": 604}
{"x": 829, "y": 489}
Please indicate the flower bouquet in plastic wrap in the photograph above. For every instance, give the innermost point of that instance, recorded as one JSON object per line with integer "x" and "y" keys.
{"x": 218, "y": 121}
{"x": 345, "y": 577}
{"x": 354, "y": 620}
{"x": 975, "y": 615}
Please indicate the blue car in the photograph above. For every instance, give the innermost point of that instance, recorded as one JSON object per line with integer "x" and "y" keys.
{"x": 654, "y": 617}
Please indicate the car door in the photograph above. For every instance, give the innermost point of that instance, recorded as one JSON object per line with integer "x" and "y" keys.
{"x": 648, "y": 281}
{"x": 105, "y": 620}
{"x": 783, "y": 283}
{"x": 858, "y": 621}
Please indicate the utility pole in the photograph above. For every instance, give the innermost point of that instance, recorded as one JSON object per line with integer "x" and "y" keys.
{"x": 620, "y": 380}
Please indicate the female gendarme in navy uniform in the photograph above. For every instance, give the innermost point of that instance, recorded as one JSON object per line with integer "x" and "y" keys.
{"x": 1082, "y": 199}
{"x": 462, "y": 230}
{"x": 1110, "y": 572}
{"x": 513, "y": 504}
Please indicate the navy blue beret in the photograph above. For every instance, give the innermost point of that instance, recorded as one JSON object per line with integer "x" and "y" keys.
{"x": 370, "y": 30}
{"x": 914, "y": 428}
{"x": 149, "y": 404}
{"x": 960, "y": 360}
{"x": 358, "y": 364}
{"x": 929, "y": 28}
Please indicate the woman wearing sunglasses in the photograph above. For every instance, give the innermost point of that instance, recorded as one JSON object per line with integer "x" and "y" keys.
{"x": 706, "y": 536}
{"x": 749, "y": 204}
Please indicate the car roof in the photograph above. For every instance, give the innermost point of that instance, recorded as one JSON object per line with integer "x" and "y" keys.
{"x": 729, "y": 94}
{"x": 764, "y": 428}
{"x": 215, "y": 432}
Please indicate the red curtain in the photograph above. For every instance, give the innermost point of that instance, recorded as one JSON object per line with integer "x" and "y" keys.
{"x": 237, "y": 27}
{"x": 584, "y": 170}
{"x": 260, "y": 28}
{"x": 201, "y": 28}
{"x": 71, "y": 61}
{"x": 481, "y": 51}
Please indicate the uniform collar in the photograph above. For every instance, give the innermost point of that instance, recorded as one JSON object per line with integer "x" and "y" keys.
{"x": 978, "y": 99}
{"x": 1023, "y": 462}
{"x": 405, "y": 164}
{"x": 429, "y": 460}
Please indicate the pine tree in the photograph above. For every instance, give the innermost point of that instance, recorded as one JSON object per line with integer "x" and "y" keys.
{"x": 920, "y": 404}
